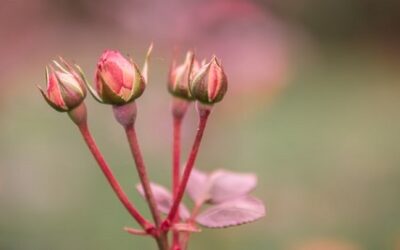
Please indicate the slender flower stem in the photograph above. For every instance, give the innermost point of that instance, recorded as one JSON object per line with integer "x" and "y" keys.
{"x": 176, "y": 154}
{"x": 176, "y": 162}
{"x": 204, "y": 113}
{"x": 111, "y": 178}
{"x": 144, "y": 179}
{"x": 178, "y": 107}
{"x": 141, "y": 169}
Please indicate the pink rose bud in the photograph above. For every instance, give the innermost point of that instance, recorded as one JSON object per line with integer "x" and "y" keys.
{"x": 118, "y": 80}
{"x": 180, "y": 76}
{"x": 65, "y": 86}
{"x": 210, "y": 84}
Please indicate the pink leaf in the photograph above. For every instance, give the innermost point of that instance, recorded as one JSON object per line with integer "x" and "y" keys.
{"x": 232, "y": 213}
{"x": 164, "y": 199}
{"x": 197, "y": 186}
{"x": 228, "y": 185}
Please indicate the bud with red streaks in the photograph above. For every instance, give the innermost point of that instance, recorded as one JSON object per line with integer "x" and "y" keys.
{"x": 210, "y": 84}
{"x": 65, "y": 86}
{"x": 181, "y": 75}
{"x": 118, "y": 80}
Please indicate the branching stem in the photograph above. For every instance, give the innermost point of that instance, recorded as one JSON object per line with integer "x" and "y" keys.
{"x": 83, "y": 128}
{"x": 204, "y": 113}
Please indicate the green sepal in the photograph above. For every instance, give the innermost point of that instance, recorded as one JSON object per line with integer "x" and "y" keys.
{"x": 72, "y": 95}
{"x": 109, "y": 96}
{"x": 145, "y": 68}
{"x": 92, "y": 91}
{"x": 53, "y": 105}
{"x": 138, "y": 86}
{"x": 60, "y": 67}
{"x": 82, "y": 78}
{"x": 198, "y": 88}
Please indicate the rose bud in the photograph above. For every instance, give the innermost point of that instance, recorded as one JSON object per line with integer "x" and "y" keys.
{"x": 180, "y": 76}
{"x": 118, "y": 80}
{"x": 210, "y": 84}
{"x": 65, "y": 86}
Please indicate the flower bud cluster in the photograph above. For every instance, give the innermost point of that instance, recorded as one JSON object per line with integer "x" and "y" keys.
{"x": 119, "y": 81}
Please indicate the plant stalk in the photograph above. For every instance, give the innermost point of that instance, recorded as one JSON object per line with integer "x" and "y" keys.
{"x": 130, "y": 131}
{"x": 176, "y": 157}
{"x": 203, "y": 114}
{"x": 83, "y": 128}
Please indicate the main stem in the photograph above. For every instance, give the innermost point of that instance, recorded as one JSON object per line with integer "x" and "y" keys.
{"x": 204, "y": 113}
{"x": 144, "y": 179}
{"x": 83, "y": 128}
{"x": 176, "y": 156}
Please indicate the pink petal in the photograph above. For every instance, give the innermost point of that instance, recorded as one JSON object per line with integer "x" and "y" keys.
{"x": 214, "y": 80}
{"x": 116, "y": 71}
{"x": 53, "y": 91}
{"x": 113, "y": 76}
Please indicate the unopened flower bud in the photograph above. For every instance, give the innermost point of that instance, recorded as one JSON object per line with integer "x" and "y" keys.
{"x": 210, "y": 84}
{"x": 118, "y": 80}
{"x": 65, "y": 86}
{"x": 180, "y": 76}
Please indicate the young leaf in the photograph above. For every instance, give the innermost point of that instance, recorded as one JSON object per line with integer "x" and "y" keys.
{"x": 242, "y": 210}
{"x": 198, "y": 186}
{"x": 164, "y": 200}
{"x": 228, "y": 185}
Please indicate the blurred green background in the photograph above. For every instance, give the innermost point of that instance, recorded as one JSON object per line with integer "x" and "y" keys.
{"x": 312, "y": 109}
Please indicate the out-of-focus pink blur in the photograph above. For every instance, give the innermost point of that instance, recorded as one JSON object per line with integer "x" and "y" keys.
{"x": 254, "y": 45}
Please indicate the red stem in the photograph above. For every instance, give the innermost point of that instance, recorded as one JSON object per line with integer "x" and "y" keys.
{"x": 144, "y": 179}
{"x": 141, "y": 169}
{"x": 176, "y": 156}
{"x": 111, "y": 178}
{"x": 189, "y": 165}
